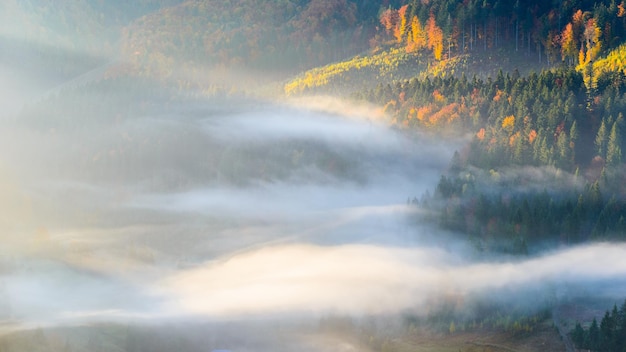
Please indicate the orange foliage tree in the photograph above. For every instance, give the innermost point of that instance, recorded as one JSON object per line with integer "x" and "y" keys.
{"x": 568, "y": 44}
{"x": 389, "y": 19}
{"x": 435, "y": 37}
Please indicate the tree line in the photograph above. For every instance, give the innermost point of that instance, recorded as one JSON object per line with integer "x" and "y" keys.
{"x": 549, "y": 122}
{"x": 608, "y": 336}
{"x": 550, "y": 118}
{"x": 575, "y": 32}
{"x": 498, "y": 217}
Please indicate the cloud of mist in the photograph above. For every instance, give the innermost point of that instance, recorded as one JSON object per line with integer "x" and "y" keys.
{"x": 368, "y": 279}
{"x": 95, "y": 214}
{"x": 527, "y": 178}
{"x": 258, "y": 211}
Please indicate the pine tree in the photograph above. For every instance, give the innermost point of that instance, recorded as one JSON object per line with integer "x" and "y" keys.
{"x": 578, "y": 335}
{"x": 563, "y": 147}
{"x": 614, "y": 149}
{"x": 593, "y": 338}
{"x": 573, "y": 138}
{"x": 601, "y": 140}
{"x": 606, "y": 333}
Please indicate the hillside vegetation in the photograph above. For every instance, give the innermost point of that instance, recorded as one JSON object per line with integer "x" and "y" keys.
{"x": 536, "y": 86}
{"x": 448, "y": 37}
{"x": 55, "y": 41}
{"x": 290, "y": 34}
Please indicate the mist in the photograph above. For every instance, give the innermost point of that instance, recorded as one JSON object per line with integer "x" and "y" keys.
{"x": 373, "y": 279}
{"x": 206, "y": 213}
{"x": 94, "y": 216}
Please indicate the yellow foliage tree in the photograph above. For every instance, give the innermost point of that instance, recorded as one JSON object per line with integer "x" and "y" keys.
{"x": 452, "y": 328}
{"x": 581, "y": 56}
{"x": 592, "y": 36}
{"x": 417, "y": 38}
{"x": 508, "y": 123}
{"x": 400, "y": 27}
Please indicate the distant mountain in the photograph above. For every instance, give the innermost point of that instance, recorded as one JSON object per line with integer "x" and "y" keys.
{"x": 289, "y": 34}
{"x": 292, "y": 35}
{"x": 80, "y": 25}
{"x": 44, "y": 43}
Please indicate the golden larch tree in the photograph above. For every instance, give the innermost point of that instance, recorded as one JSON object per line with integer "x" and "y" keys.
{"x": 417, "y": 38}
{"x": 508, "y": 123}
{"x": 400, "y": 27}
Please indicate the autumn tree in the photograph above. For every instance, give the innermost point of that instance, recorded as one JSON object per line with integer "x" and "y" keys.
{"x": 593, "y": 44}
{"x": 435, "y": 37}
{"x": 568, "y": 44}
{"x": 578, "y": 25}
{"x": 551, "y": 44}
{"x": 417, "y": 37}
{"x": 389, "y": 19}
{"x": 401, "y": 24}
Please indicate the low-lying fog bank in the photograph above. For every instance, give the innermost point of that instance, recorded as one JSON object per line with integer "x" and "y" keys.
{"x": 263, "y": 213}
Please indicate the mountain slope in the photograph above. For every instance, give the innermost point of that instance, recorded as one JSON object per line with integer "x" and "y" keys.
{"x": 257, "y": 34}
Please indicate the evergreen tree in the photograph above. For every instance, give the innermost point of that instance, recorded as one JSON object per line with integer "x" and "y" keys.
{"x": 593, "y": 336}
{"x": 601, "y": 140}
{"x": 614, "y": 149}
{"x": 563, "y": 146}
{"x": 606, "y": 333}
{"x": 573, "y": 138}
{"x": 578, "y": 335}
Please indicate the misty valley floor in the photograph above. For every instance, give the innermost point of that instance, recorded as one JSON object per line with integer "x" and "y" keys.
{"x": 189, "y": 227}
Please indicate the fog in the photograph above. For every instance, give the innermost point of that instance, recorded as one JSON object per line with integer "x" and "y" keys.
{"x": 225, "y": 211}
{"x": 99, "y": 219}
{"x": 371, "y": 279}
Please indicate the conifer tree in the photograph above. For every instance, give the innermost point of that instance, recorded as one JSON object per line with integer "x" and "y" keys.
{"x": 601, "y": 140}
{"x": 593, "y": 337}
{"x": 613, "y": 149}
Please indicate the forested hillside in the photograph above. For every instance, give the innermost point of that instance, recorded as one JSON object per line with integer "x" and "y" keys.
{"x": 315, "y": 32}
{"x": 160, "y": 36}
{"x": 538, "y": 85}
{"x": 291, "y": 34}
{"x": 57, "y": 40}
{"x": 609, "y": 335}
{"x": 545, "y": 161}
{"x": 75, "y": 25}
